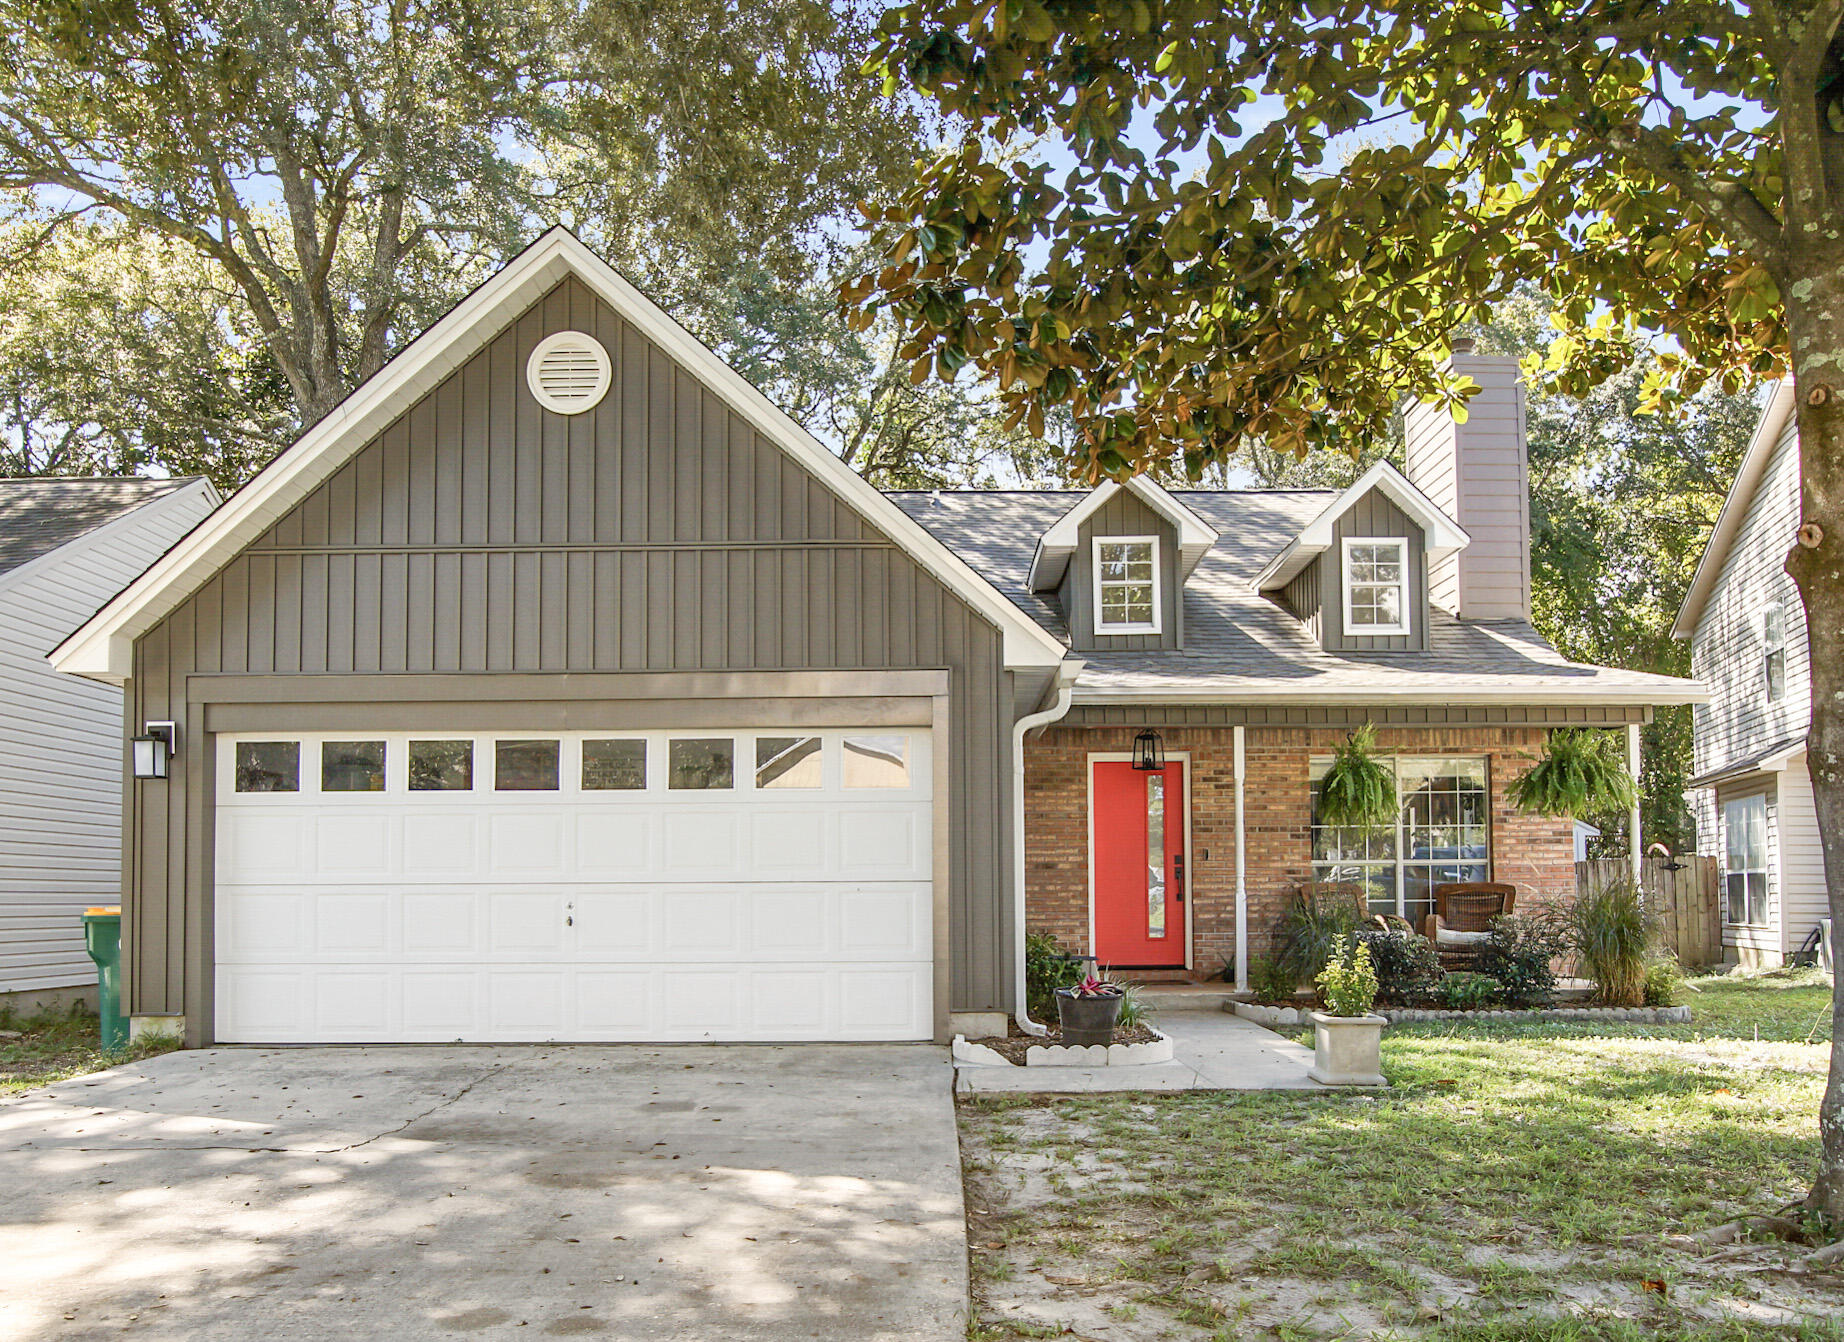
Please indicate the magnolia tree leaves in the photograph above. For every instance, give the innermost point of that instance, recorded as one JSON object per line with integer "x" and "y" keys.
{"x": 1277, "y": 214}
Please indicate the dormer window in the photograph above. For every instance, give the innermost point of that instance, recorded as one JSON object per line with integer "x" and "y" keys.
{"x": 1376, "y": 585}
{"x": 1126, "y": 584}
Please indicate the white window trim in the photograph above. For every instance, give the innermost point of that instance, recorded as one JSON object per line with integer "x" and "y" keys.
{"x": 1158, "y": 594}
{"x": 1401, "y": 627}
{"x": 1771, "y": 646}
{"x": 1766, "y": 869}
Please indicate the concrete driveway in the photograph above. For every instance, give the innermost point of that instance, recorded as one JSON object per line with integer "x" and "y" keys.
{"x": 810, "y": 1191}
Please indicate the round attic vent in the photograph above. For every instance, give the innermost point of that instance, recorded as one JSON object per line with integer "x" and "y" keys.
{"x": 569, "y": 372}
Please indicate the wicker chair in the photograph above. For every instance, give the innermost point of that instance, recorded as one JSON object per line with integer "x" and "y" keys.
{"x": 1466, "y": 906}
{"x": 1330, "y": 894}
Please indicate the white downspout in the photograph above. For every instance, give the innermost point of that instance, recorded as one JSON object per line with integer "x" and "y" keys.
{"x": 1242, "y": 874}
{"x": 1064, "y": 686}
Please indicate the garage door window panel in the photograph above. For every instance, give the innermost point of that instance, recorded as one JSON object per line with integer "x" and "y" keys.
{"x": 352, "y": 766}
{"x": 525, "y": 766}
{"x": 875, "y": 762}
{"x": 788, "y": 762}
{"x": 268, "y": 766}
{"x": 701, "y": 764}
{"x": 614, "y": 766}
{"x": 441, "y": 766}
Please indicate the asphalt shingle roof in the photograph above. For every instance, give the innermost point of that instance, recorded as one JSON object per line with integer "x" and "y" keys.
{"x": 40, "y": 514}
{"x": 1239, "y": 642}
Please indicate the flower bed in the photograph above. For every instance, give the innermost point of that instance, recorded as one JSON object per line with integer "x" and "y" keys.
{"x": 1278, "y": 1016}
{"x": 1132, "y": 1046}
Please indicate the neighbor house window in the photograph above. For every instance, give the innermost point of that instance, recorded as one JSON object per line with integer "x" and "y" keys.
{"x": 1440, "y": 834}
{"x": 1376, "y": 585}
{"x": 1773, "y": 650}
{"x": 1744, "y": 868}
{"x": 1127, "y": 585}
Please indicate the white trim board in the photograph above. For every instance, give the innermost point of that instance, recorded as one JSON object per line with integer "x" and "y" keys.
{"x": 103, "y": 648}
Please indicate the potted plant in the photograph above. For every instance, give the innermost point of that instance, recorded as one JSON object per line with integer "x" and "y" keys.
{"x": 1358, "y": 790}
{"x": 1090, "y": 1010}
{"x": 1579, "y": 773}
{"x": 1348, "y": 1039}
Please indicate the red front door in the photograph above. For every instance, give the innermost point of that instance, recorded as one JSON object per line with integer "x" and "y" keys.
{"x": 1139, "y": 865}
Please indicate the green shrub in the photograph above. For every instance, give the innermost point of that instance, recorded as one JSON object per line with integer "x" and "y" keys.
{"x": 1045, "y": 970}
{"x": 1662, "y": 983}
{"x": 1310, "y": 931}
{"x": 1469, "y": 992}
{"x": 1348, "y": 984}
{"x": 1271, "y": 980}
{"x": 1519, "y": 955}
{"x": 1408, "y": 966}
{"x": 1613, "y": 935}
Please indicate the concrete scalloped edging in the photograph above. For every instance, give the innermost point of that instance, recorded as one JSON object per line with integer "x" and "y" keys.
{"x": 1069, "y": 1055}
{"x": 1275, "y": 1017}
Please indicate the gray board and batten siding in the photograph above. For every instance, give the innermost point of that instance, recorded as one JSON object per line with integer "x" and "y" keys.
{"x": 1316, "y": 592}
{"x": 479, "y": 535}
{"x": 1123, "y": 514}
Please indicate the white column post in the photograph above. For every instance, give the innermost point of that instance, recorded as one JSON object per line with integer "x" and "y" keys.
{"x": 1635, "y": 838}
{"x": 1242, "y": 871}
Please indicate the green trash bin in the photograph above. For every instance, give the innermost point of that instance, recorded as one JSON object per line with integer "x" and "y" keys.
{"x": 102, "y": 935}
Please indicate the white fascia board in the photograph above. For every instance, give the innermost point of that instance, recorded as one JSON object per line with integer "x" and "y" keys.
{"x": 1441, "y": 534}
{"x": 1691, "y": 693}
{"x": 1058, "y": 544}
{"x": 1767, "y": 431}
{"x": 102, "y": 648}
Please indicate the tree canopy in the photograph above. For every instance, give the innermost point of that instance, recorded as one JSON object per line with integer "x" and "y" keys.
{"x": 342, "y": 170}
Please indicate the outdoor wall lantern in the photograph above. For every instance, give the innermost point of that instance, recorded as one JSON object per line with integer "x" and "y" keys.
{"x": 154, "y": 750}
{"x": 1148, "y": 751}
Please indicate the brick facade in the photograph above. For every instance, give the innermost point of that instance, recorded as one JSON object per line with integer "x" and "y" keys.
{"x": 1535, "y": 853}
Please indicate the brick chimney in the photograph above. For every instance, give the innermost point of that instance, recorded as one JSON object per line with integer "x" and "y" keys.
{"x": 1479, "y": 475}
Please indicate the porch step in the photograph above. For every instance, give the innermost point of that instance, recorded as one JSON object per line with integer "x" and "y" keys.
{"x": 1189, "y": 996}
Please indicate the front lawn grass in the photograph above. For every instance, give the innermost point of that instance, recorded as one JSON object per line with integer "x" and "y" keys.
{"x": 1517, "y": 1181}
{"x": 57, "y": 1045}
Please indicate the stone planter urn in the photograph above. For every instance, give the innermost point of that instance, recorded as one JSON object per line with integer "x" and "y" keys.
{"x": 1348, "y": 1050}
{"x": 1087, "y": 1020}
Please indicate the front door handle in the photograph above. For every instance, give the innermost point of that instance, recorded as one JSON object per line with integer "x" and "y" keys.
{"x": 1178, "y": 875}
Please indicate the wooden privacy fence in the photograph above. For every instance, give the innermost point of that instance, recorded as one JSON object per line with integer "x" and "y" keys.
{"x": 1686, "y": 900}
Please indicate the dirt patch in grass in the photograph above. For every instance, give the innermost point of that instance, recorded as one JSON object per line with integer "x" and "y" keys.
{"x": 1510, "y": 1185}
{"x": 38, "y": 1050}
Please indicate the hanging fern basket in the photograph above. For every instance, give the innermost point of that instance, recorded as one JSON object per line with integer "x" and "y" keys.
{"x": 1358, "y": 790}
{"x": 1580, "y": 773}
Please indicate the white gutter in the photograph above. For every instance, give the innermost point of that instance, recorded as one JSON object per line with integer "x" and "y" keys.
{"x": 1682, "y": 692}
{"x": 1064, "y": 686}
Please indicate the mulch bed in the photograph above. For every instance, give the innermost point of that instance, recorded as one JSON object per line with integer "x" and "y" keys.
{"x": 1012, "y": 1047}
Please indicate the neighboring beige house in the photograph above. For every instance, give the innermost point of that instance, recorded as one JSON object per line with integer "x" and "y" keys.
{"x": 66, "y": 546}
{"x": 1747, "y": 632}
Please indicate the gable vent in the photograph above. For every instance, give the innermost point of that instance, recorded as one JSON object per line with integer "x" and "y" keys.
{"x": 569, "y": 372}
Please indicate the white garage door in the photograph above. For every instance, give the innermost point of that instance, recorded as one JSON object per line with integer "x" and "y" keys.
{"x": 691, "y": 885}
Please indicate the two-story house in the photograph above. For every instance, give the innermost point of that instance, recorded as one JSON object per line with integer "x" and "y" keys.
{"x": 559, "y": 686}
{"x": 1747, "y": 632}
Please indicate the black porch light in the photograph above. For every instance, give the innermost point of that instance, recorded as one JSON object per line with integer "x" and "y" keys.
{"x": 153, "y": 751}
{"x": 1148, "y": 751}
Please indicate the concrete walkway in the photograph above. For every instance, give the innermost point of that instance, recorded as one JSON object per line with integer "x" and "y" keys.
{"x": 265, "y": 1195}
{"x": 1212, "y": 1050}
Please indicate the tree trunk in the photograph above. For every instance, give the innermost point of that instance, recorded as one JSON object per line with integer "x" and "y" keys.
{"x": 1816, "y": 565}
